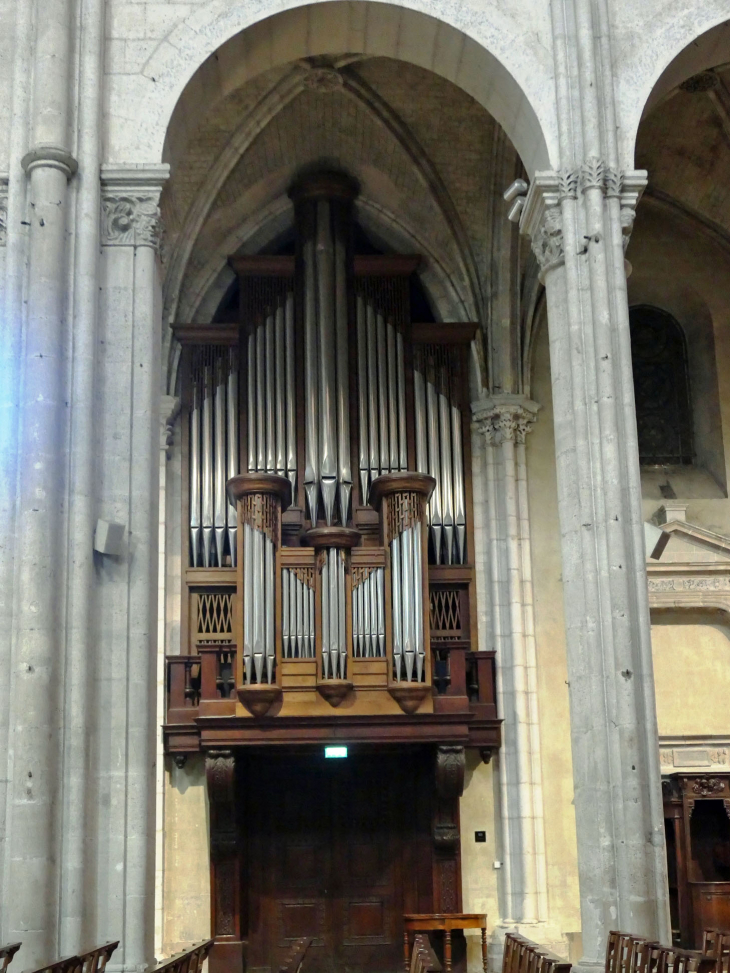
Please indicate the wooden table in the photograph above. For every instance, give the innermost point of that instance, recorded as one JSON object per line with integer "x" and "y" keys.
{"x": 444, "y": 922}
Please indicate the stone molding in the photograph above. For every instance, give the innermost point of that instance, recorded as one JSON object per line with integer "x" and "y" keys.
{"x": 682, "y": 754}
{"x": 130, "y": 211}
{"x": 50, "y": 157}
{"x": 507, "y": 418}
{"x": 3, "y": 210}
{"x": 169, "y": 411}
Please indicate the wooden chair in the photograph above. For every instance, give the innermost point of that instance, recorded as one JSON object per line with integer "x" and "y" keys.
{"x": 96, "y": 959}
{"x": 523, "y": 956}
{"x": 188, "y": 961}
{"x": 423, "y": 958}
{"x": 715, "y": 942}
{"x": 6, "y": 955}
{"x": 294, "y": 959}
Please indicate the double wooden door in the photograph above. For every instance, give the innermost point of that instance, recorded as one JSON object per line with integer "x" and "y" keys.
{"x": 337, "y": 850}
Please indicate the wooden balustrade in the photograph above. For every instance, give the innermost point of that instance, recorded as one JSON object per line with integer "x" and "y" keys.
{"x": 92, "y": 961}
{"x": 188, "y": 961}
{"x": 6, "y": 955}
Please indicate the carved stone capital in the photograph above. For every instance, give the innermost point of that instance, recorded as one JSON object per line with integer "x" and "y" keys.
{"x": 507, "y": 418}
{"x": 130, "y": 212}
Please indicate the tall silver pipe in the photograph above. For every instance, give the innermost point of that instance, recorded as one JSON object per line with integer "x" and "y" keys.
{"x": 447, "y": 492}
{"x": 459, "y": 493}
{"x": 195, "y": 476}
{"x": 251, "y": 396}
{"x": 418, "y": 600}
{"x": 362, "y": 385}
{"x": 285, "y": 613}
{"x": 290, "y": 396}
{"x": 434, "y": 466}
{"x": 395, "y": 594}
{"x": 372, "y": 392}
{"x": 327, "y": 360}
{"x": 383, "y": 422}
{"x": 406, "y": 551}
{"x": 302, "y": 620}
{"x": 248, "y": 606}
{"x": 334, "y": 606}
{"x": 207, "y": 477}
{"x": 261, "y": 398}
{"x": 380, "y": 594}
{"x": 311, "y": 385}
{"x": 220, "y": 511}
{"x": 344, "y": 465}
{"x": 419, "y": 395}
{"x": 281, "y": 391}
{"x": 392, "y": 398}
{"x": 232, "y": 435}
{"x": 297, "y": 615}
{"x": 342, "y": 613}
{"x": 402, "y": 440}
{"x": 270, "y": 394}
{"x": 326, "y": 617}
{"x": 356, "y": 620}
{"x": 269, "y": 567}
{"x": 310, "y": 629}
{"x": 258, "y": 602}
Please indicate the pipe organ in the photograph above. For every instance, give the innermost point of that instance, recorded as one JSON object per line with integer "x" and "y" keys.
{"x": 337, "y": 582}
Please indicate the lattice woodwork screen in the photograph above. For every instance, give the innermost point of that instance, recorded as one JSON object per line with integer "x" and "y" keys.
{"x": 445, "y": 612}
{"x": 214, "y": 616}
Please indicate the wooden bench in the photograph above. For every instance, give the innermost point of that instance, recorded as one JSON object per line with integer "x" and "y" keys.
{"x": 93, "y": 961}
{"x": 6, "y": 955}
{"x": 523, "y": 956}
{"x": 294, "y": 959}
{"x": 626, "y": 953}
{"x": 188, "y": 961}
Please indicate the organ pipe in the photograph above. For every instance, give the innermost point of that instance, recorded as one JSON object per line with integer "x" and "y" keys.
{"x": 297, "y": 623}
{"x": 232, "y": 443}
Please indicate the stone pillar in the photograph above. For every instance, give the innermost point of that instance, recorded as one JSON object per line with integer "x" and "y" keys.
{"x": 31, "y": 891}
{"x": 130, "y": 373}
{"x": 504, "y": 421}
{"x": 577, "y": 221}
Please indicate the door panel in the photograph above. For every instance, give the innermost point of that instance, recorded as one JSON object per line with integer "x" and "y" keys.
{"x": 332, "y": 852}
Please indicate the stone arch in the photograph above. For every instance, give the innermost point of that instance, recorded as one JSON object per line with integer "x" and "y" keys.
{"x": 676, "y": 45}
{"x": 221, "y": 45}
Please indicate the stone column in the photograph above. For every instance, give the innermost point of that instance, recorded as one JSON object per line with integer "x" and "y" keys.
{"x": 576, "y": 219}
{"x": 130, "y": 372}
{"x": 31, "y": 878}
{"x": 504, "y": 421}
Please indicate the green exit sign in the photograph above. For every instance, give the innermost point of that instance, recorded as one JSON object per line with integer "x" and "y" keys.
{"x": 335, "y": 752}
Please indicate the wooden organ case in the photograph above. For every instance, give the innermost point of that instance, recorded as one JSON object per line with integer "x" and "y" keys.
{"x": 329, "y": 589}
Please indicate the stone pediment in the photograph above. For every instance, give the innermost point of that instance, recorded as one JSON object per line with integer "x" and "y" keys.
{"x": 694, "y": 567}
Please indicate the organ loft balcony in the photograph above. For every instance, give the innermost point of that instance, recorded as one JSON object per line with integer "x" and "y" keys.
{"x": 329, "y": 593}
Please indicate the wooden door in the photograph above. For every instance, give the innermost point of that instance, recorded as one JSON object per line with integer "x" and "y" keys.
{"x": 337, "y": 850}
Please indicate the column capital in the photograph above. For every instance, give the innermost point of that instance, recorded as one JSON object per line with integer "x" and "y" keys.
{"x": 130, "y": 211}
{"x": 504, "y": 418}
{"x": 50, "y": 157}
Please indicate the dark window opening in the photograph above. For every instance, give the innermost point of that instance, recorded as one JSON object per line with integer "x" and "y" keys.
{"x": 661, "y": 388}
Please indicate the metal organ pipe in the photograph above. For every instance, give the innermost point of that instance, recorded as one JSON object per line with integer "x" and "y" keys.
{"x": 325, "y": 272}
{"x": 220, "y": 470}
{"x": 362, "y": 368}
{"x": 311, "y": 384}
{"x": 195, "y": 476}
{"x": 291, "y": 444}
{"x": 297, "y": 622}
{"x": 280, "y": 371}
{"x": 344, "y": 470}
{"x": 232, "y": 438}
{"x": 207, "y": 470}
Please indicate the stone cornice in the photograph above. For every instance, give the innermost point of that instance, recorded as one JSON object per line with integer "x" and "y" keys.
{"x": 504, "y": 418}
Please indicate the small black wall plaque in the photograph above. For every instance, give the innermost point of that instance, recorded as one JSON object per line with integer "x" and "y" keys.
{"x": 480, "y": 836}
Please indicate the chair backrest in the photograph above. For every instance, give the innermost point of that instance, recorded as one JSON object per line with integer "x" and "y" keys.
{"x": 295, "y": 957}
{"x": 423, "y": 958}
{"x": 523, "y": 956}
{"x": 96, "y": 959}
{"x": 6, "y": 955}
{"x": 69, "y": 964}
{"x": 188, "y": 961}
{"x": 716, "y": 942}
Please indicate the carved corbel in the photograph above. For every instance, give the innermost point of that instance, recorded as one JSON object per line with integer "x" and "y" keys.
{"x": 220, "y": 774}
{"x": 449, "y": 780}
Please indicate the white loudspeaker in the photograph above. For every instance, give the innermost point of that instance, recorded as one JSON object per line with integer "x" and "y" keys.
{"x": 109, "y": 537}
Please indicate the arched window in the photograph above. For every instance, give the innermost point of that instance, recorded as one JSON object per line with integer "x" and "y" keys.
{"x": 661, "y": 387}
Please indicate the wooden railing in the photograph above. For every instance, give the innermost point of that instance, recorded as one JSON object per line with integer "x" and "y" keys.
{"x": 523, "y": 956}
{"x": 188, "y": 961}
{"x": 464, "y": 680}
{"x": 93, "y": 961}
{"x": 6, "y": 955}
